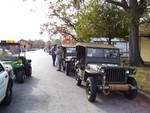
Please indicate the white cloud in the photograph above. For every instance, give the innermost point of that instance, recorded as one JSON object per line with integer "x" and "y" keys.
{"x": 20, "y": 19}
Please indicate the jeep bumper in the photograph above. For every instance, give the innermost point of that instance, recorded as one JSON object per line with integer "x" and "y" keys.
{"x": 117, "y": 87}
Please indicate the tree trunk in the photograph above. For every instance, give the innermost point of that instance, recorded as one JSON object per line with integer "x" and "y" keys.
{"x": 109, "y": 38}
{"x": 134, "y": 50}
{"x": 135, "y": 10}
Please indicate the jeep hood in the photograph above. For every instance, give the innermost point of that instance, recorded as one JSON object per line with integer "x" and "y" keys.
{"x": 68, "y": 58}
{"x": 96, "y": 67}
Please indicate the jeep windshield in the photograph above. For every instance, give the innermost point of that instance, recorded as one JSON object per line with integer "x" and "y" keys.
{"x": 102, "y": 52}
{"x": 9, "y": 52}
{"x": 71, "y": 50}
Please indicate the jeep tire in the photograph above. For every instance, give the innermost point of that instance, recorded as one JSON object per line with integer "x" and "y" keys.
{"x": 132, "y": 93}
{"x": 91, "y": 89}
{"x": 78, "y": 81}
{"x": 67, "y": 69}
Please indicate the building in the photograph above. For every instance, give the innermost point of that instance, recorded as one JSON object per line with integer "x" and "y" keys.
{"x": 145, "y": 41}
{"x": 117, "y": 42}
{"x": 25, "y": 44}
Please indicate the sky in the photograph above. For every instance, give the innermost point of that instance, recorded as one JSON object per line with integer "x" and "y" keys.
{"x": 22, "y": 20}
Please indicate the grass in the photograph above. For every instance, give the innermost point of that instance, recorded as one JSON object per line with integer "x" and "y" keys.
{"x": 143, "y": 73}
{"x": 143, "y": 79}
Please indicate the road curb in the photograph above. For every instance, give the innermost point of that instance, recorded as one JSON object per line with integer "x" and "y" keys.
{"x": 145, "y": 95}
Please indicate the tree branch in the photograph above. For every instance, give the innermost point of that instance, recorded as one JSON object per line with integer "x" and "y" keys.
{"x": 141, "y": 2}
{"x": 122, "y": 4}
{"x": 142, "y": 6}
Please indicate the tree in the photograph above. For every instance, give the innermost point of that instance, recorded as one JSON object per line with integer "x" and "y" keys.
{"x": 57, "y": 41}
{"x": 37, "y": 43}
{"x": 63, "y": 18}
{"x": 102, "y": 20}
{"x": 135, "y": 9}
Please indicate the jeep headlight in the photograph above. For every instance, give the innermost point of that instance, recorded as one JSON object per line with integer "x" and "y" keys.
{"x": 127, "y": 71}
{"x": 102, "y": 70}
{"x": 20, "y": 61}
{"x": 72, "y": 59}
{"x": 67, "y": 59}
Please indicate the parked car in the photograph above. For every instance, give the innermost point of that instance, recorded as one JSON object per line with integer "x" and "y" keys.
{"x": 10, "y": 54}
{"x": 6, "y": 83}
{"x": 69, "y": 54}
{"x": 99, "y": 66}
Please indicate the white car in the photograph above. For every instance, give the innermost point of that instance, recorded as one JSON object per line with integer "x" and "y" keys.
{"x": 6, "y": 83}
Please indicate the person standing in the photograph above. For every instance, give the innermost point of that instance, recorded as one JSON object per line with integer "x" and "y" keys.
{"x": 59, "y": 53}
{"x": 53, "y": 52}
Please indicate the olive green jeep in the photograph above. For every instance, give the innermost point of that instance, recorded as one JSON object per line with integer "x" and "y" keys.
{"x": 99, "y": 66}
{"x": 69, "y": 54}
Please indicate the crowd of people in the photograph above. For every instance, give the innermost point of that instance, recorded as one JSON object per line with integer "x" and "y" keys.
{"x": 57, "y": 53}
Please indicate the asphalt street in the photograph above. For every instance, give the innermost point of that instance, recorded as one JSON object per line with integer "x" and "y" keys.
{"x": 50, "y": 91}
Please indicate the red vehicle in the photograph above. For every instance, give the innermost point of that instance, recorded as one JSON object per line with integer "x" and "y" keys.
{"x": 42, "y": 45}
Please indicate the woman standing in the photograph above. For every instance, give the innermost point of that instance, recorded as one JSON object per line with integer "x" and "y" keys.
{"x": 53, "y": 51}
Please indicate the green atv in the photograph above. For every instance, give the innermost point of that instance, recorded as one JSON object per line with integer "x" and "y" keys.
{"x": 10, "y": 54}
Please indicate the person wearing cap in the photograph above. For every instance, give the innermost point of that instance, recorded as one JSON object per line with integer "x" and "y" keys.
{"x": 59, "y": 53}
{"x": 53, "y": 50}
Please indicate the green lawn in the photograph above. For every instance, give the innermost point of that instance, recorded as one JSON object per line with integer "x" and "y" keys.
{"x": 143, "y": 79}
{"x": 143, "y": 73}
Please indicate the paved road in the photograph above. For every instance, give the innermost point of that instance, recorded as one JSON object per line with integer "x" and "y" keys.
{"x": 50, "y": 91}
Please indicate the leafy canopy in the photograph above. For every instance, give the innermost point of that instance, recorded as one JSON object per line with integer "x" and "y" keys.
{"x": 102, "y": 20}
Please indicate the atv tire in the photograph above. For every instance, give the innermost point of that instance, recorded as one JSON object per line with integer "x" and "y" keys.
{"x": 20, "y": 76}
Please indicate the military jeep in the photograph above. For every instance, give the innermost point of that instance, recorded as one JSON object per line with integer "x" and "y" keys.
{"x": 10, "y": 54}
{"x": 69, "y": 54}
{"x": 99, "y": 66}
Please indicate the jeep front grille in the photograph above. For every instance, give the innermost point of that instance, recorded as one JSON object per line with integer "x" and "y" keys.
{"x": 115, "y": 75}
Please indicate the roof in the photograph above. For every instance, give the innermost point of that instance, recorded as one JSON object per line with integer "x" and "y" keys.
{"x": 25, "y": 41}
{"x": 68, "y": 45}
{"x": 95, "y": 45}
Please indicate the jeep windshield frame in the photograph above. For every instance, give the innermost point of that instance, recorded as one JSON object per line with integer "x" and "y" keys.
{"x": 84, "y": 49}
{"x": 69, "y": 50}
{"x": 102, "y": 55}
{"x": 9, "y": 51}
{"x": 102, "y": 52}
